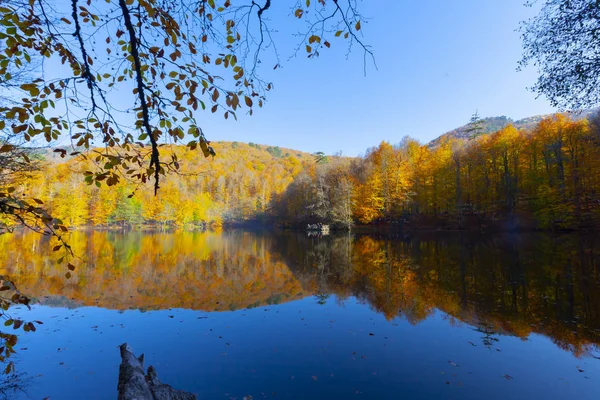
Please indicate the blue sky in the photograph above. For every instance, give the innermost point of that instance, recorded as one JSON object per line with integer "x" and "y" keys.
{"x": 438, "y": 61}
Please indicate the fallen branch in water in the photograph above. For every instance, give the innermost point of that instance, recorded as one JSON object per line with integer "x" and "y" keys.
{"x": 135, "y": 385}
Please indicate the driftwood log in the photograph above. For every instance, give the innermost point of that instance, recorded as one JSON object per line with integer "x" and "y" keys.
{"x": 135, "y": 385}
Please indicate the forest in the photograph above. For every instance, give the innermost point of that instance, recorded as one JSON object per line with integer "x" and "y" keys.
{"x": 236, "y": 185}
{"x": 546, "y": 177}
{"x": 543, "y": 177}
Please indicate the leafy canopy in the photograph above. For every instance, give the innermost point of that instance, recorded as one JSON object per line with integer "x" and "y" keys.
{"x": 563, "y": 42}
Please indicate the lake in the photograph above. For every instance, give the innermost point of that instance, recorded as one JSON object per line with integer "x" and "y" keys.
{"x": 233, "y": 314}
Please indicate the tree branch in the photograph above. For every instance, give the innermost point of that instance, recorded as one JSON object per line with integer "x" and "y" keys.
{"x": 154, "y": 157}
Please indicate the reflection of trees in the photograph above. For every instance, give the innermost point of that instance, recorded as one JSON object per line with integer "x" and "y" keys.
{"x": 321, "y": 298}
{"x": 488, "y": 335}
{"x": 207, "y": 271}
{"x": 12, "y": 385}
{"x": 503, "y": 285}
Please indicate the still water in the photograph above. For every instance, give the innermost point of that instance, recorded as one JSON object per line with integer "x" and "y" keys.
{"x": 233, "y": 314}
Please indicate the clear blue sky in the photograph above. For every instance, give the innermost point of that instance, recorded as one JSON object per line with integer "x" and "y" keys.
{"x": 438, "y": 62}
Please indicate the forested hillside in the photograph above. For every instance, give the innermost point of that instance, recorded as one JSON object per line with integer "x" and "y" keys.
{"x": 544, "y": 177}
{"x": 493, "y": 124}
{"x": 547, "y": 177}
{"x": 237, "y": 184}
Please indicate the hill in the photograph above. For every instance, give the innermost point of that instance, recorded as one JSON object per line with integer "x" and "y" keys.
{"x": 237, "y": 184}
{"x": 494, "y": 124}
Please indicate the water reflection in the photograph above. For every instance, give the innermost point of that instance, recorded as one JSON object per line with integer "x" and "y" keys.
{"x": 502, "y": 285}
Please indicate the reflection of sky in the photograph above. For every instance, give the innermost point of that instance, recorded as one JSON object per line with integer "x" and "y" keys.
{"x": 281, "y": 348}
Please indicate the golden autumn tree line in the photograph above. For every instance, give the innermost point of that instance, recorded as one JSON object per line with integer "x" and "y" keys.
{"x": 238, "y": 184}
{"x": 547, "y": 177}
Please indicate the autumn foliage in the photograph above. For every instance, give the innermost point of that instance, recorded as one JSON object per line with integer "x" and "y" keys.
{"x": 547, "y": 178}
{"x": 238, "y": 184}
